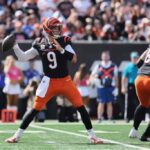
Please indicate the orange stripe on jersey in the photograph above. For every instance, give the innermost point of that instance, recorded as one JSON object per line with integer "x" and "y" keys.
{"x": 66, "y": 39}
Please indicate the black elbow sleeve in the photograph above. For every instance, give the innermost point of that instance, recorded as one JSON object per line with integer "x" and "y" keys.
{"x": 140, "y": 63}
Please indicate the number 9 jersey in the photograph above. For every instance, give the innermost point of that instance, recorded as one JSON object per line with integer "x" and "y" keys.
{"x": 54, "y": 62}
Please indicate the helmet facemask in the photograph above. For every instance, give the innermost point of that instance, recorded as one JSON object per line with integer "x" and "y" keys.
{"x": 56, "y": 31}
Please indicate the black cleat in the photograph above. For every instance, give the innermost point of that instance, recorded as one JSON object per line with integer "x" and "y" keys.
{"x": 145, "y": 138}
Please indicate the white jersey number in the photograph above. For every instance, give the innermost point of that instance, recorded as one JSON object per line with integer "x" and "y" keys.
{"x": 52, "y": 59}
{"x": 147, "y": 59}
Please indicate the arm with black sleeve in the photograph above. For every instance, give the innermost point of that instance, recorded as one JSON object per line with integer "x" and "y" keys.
{"x": 69, "y": 53}
{"x": 140, "y": 61}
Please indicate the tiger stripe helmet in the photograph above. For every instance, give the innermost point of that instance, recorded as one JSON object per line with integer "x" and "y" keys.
{"x": 51, "y": 24}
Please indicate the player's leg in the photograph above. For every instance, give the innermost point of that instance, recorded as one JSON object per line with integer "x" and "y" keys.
{"x": 25, "y": 123}
{"x": 70, "y": 91}
{"x": 39, "y": 104}
{"x": 146, "y": 135}
{"x": 138, "y": 117}
{"x": 143, "y": 96}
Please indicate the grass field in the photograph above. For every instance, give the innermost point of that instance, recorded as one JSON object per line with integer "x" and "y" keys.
{"x": 52, "y": 135}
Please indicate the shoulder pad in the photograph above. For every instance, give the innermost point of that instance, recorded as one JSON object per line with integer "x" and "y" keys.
{"x": 67, "y": 39}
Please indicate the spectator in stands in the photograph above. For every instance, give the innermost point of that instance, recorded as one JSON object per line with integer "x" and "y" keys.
{"x": 108, "y": 33}
{"x": 30, "y": 73}
{"x": 46, "y": 8}
{"x": 97, "y": 29}
{"x": 27, "y": 27}
{"x": 89, "y": 34}
{"x": 76, "y": 30}
{"x": 30, "y": 89}
{"x": 19, "y": 34}
{"x": 107, "y": 85}
{"x": 127, "y": 19}
{"x": 82, "y": 7}
{"x": 37, "y": 31}
{"x": 80, "y": 79}
{"x": 2, "y": 16}
{"x": 64, "y": 11}
{"x": 9, "y": 26}
{"x": 18, "y": 16}
{"x": 129, "y": 31}
{"x": 30, "y": 92}
{"x": 2, "y": 84}
{"x": 148, "y": 37}
{"x": 12, "y": 82}
{"x": 29, "y": 5}
{"x": 128, "y": 77}
{"x": 2, "y": 31}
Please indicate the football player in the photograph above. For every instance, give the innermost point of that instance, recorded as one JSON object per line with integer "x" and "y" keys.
{"x": 55, "y": 51}
{"x": 142, "y": 85}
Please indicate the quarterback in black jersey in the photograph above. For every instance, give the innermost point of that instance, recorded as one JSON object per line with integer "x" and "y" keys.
{"x": 55, "y": 51}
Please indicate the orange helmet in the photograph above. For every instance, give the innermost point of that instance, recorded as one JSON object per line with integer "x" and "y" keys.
{"x": 52, "y": 27}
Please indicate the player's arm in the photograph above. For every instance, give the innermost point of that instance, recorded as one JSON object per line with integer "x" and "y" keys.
{"x": 68, "y": 51}
{"x": 24, "y": 56}
{"x": 141, "y": 59}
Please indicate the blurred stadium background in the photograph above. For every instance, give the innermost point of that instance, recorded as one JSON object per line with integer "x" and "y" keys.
{"x": 120, "y": 26}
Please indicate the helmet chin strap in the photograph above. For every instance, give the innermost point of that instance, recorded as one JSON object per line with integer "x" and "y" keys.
{"x": 45, "y": 35}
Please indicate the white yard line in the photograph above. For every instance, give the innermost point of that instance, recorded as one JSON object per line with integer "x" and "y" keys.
{"x": 101, "y": 131}
{"x": 81, "y": 135}
{"x": 27, "y": 131}
{"x": 54, "y": 122}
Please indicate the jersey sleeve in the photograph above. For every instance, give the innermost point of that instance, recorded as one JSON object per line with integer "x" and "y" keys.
{"x": 36, "y": 44}
{"x": 67, "y": 40}
{"x": 69, "y": 51}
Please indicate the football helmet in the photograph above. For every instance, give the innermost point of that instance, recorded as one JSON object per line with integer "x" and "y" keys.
{"x": 52, "y": 27}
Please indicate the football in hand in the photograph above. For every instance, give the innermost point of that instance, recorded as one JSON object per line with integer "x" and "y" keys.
{"x": 8, "y": 42}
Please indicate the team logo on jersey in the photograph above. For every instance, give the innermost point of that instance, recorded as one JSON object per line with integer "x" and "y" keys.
{"x": 42, "y": 47}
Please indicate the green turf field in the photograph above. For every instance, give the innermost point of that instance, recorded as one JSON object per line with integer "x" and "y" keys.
{"x": 71, "y": 136}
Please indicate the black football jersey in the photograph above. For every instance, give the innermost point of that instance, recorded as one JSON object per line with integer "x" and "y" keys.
{"x": 54, "y": 63}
